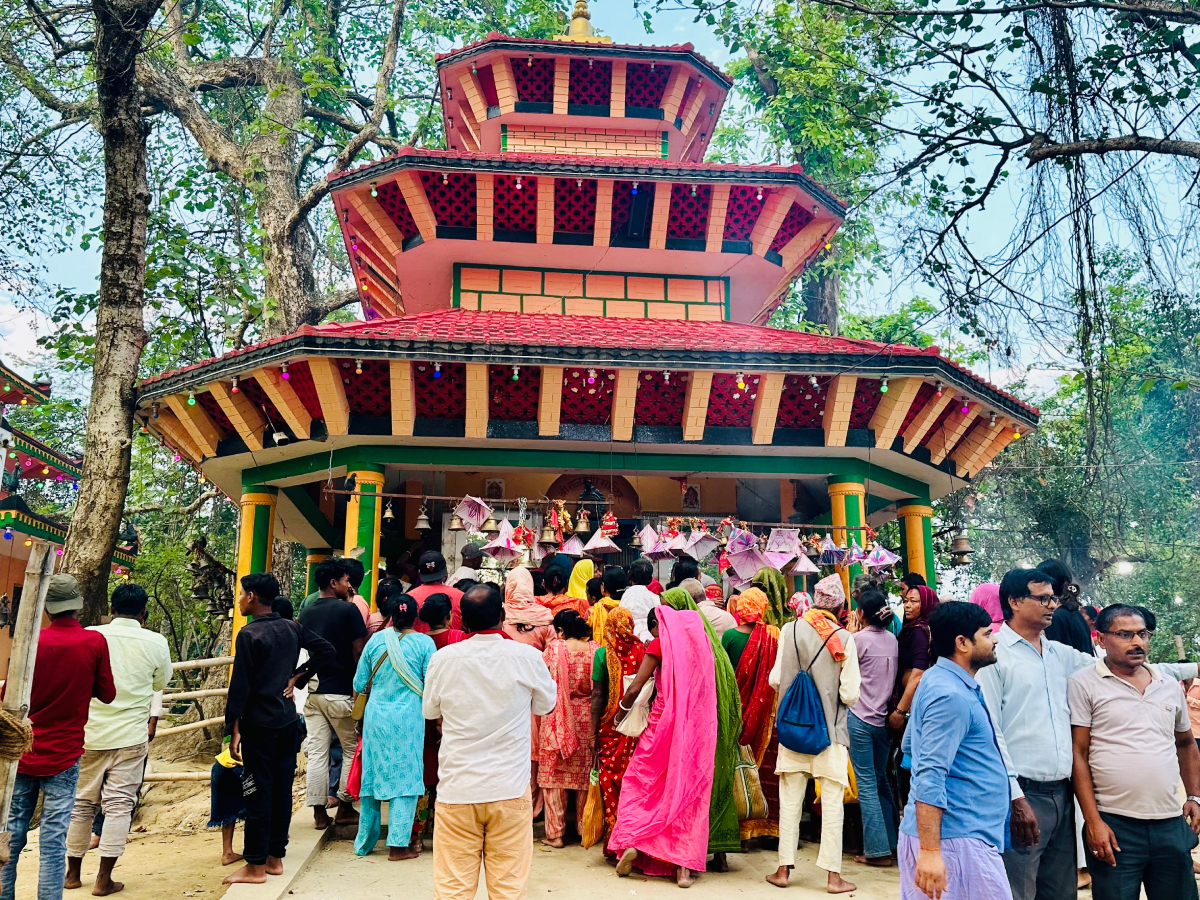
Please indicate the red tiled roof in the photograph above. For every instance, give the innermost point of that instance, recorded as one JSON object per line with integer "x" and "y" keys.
{"x": 462, "y": 326}
{"x": 572, "y": 45}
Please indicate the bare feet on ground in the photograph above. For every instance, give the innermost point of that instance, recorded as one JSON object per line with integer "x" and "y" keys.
{"x": 557, "y": 842}
{"x": 229, "y": 858}
{"x": 346, "y": 814}
{"x": 321, "y": 819}
{"x": 625, "y": 863}
{"x": 779, "y": 877}
{"x": 72, "y": 881}
{"x": 106, "y": 887}
{"x": 838, "y": 885}
{"x": 274, "y": 865}
{"x": 247, "y": 874}
{"x": 684, "y": 878}
{"x": 719, "y": 863}
{"x": 412, "y": 851}
{"x": 879, "y": 862}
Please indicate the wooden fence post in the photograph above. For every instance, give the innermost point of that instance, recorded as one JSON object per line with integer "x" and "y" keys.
{"x": 20, "y": 667}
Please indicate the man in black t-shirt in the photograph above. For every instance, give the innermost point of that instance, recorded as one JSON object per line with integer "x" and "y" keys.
{"x": 327, "y": 710}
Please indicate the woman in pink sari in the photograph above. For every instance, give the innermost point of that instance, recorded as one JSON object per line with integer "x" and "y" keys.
{"x": 662, "y": 820}
{"x": 527, "y": 621}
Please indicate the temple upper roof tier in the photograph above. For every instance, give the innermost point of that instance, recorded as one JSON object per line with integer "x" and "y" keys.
{"x": 671, "y": 96}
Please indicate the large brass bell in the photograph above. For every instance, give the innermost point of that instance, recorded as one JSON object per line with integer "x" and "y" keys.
{"x": 581, "y": 526}
{"x": 547, "y": 536}
{"x": 636, "y": 543}
{"x": 961, "y": 550}
{"x": 491, "y": 526}
{"x": 422, "y": 523}
{"x": 526, "y": 558}
{"x": 456, "y": 523}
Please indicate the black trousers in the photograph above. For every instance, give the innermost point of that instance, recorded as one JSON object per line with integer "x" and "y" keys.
{"x": 268, "y": 769}
{"x": 1046, "y": 871}
{"x": 1156, "y": 853}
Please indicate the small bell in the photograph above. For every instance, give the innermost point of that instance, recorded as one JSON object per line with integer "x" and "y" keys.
{"x": 456, "y": 523}
{"x": 388, "y": 515}
{"x": 491, "y": 526}
{"x": 961, "y": 550}
{"x": 422, "y": 521}
{"x": 636, "y": 543}
{"x": 547, "y": 536}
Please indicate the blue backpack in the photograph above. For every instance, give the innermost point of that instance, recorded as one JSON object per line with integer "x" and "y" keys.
{"x": 801, "y": 718}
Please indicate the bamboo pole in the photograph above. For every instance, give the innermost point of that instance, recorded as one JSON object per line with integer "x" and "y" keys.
{"x": 202, "y": 663}
{"x": 20, "y": 668}
{"x": 194, "y": 695}
{"x": 189, "y": 726}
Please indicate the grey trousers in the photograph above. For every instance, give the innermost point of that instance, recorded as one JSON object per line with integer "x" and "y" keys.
{"x": 1046, "y": 871}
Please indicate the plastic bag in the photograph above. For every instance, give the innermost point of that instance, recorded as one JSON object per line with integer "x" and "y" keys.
{"x": 592, "y": 826}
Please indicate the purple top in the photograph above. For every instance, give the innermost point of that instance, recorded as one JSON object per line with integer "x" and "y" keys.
{"x": 878, "y": 654}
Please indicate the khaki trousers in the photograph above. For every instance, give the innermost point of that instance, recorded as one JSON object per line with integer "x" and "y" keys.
{"x": 792, "y": 786}
{"x": 499, "y": 834}
{"x": 109, "y": 780}
{"x": 327, "y": 718}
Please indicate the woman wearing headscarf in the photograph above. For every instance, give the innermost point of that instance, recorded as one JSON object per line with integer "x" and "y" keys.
{"x": 557, "y": 579}
{"x": 772, "y": 583}
{"x": 816, "y": 643}
{"x": 619, "y": 656}
{"x": 393, "y": 730}
{"x": 754, "y": 643}
{"x": 724, "y": 835}
{"x": 987, "y": 595}
{"x": 662, "y": 822}
{"x": 528, "y": 621}
{"x": 583, "y": 572}
{"x": 612, "y": 589}
{"x": 915, "y": 655}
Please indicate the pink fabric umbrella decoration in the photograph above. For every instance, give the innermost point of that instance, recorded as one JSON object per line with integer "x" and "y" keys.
{"x": 856, "y": 554}
{"x": 677, "y": 543}
{"x": 473, "y": 512}
{"x": 700, "y": 544}
{"x": 880, "y": 557}
{"x": 504, "y": 549}
{"x": 784, "y": 540}
{"x": 740, "y": 540}
{"x": 601, "y": 544}
{"x": 746, "y": 563}
{"x": 802, "y": 566}
{"x": 573, "y": 546}
{"x": 831, "y": 553}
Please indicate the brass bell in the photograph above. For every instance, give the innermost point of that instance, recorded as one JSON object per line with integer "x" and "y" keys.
{"x": 581, "y": 526}
{"x": 961, "y": 550}
{"x": 388, "y": 515}
{"x": 526, "y": 558}
{"x": 456, "y": 523}
{"x": 636, "y": 543}
{"x": 547, "y": 536}
{"x": 422, "y": 521}
{"x": 491, "y": 526}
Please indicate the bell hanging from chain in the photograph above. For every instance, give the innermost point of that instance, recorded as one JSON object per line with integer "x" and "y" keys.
{"x": 422, "y": 523}
{"x": 456, "y": 523}
{"x": 961, "y": 550}
{"x": 388, "y": 515}
{"x": 636, "y": 543}
{"x": 547, "y": 536}
{"x": 491, "y": 526}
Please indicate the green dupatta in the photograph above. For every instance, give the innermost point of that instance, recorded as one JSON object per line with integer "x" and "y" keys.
{"x": 723, "y": 833}
{"x": 775, "y": 587}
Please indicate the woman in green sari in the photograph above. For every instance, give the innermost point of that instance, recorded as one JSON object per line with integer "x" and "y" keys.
{"x": 772, "y": 583}
{"x": 723, "y": 834}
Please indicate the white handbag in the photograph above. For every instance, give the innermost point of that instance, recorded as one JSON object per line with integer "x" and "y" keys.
{"x": 638, "y": 717}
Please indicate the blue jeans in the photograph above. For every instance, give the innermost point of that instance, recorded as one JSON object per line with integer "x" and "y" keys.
{"x": 58, "y": 799}
{"x": 869, "y": 749}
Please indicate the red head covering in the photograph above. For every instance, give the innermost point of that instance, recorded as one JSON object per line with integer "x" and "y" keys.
{"x": 929, "y": 602}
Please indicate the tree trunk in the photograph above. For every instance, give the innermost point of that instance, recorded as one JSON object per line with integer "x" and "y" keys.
{"x": 283, "y": 566}
{"x": 821, "y": 299}
{"x": 120, "y": 333}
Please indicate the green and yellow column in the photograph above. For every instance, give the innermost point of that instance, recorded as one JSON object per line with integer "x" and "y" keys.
{"x": 313, "y": 559}
{"x": 363, "y": 514}
{"x": 256, "y": 533}
{"x": 847, "y": 499}
{"x": 916, "y": 539}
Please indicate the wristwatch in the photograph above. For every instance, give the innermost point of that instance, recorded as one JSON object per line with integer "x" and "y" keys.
{"x": 1194, "y": 798}
{"x": 904, "y": 712}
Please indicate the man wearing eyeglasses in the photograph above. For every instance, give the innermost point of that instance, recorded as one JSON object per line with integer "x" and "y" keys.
{"x": 1132, "y": 744}
{"x": 1026, "y": 695}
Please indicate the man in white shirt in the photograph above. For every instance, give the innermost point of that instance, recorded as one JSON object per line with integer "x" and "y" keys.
{"x": 484, "y": 690}
{"x": 116, "y": 737}
{"x": 472, "y": 562}
{"x": 720, "y": 620}
{"x": 638, "y": 598}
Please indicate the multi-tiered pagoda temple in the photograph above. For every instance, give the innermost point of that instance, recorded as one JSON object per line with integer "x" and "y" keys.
{"x": 568, "y": 293}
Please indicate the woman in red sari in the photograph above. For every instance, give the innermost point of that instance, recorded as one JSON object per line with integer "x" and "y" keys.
{"x": 619, "y": 656}
{"x": 557, "y": 580}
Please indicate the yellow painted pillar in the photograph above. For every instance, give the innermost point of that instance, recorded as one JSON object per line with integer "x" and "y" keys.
{"x": 848, "y": 509}
{"x": 363, "y": 514}
{"x": 917, "y": 540}
{"x": 256, "y": 534}
{"x": 311, "y": 561}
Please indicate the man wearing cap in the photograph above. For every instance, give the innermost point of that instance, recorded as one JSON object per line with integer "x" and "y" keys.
{"x": 472, "y": 561}
{"x": 71, "y": 668}
{"x": 431, "y": 569}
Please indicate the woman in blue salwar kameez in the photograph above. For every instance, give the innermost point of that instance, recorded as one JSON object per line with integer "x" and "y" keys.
{"x": 393, "y": 730}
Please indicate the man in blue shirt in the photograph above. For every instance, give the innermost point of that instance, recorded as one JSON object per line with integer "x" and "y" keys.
{"x": 956, "y": 821}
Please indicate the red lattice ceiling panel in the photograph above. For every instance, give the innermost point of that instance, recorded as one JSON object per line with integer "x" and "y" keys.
{"x": 793, "y": 222}
{"x": 924, "y": 394}
{"x": 452, "y": 196}
{"x": 440, "y": 395}
{"x": 392, "y": 201}
{"x": 729, "y": 405}
{"x": 659, "y": 401}
{"x": 514, "y": 401}
{"x": 487, "y": 83}
{"x": 743, "y": 212}
{"x": 689, "y": 214}
{"x": 688, "y": 92}
{"x": 209, "y": 404}
{"x": 802, "y": 403}
{"x": 590, "y": 82}
{"x": 587, "y": 404}
{"x": 516, "y": 208}
{"x": 645, "y": 85}
{"x": 535, "y": 79}
{"x": 300, "y": 378}
{"x": 369, "y": 394}
{"x": 255, "y": 395}
{"x": 575, "y": 205}
{"x": 622, "y": 202}
{"x": 951, "y": 408}
{"x": 866, "y": 398}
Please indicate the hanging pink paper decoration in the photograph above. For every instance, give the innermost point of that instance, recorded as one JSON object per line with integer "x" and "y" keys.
{"x": 740, "y": 540}
{"x": 473, "y": 512}
{"x": 746, "y": 563}
{"x": 831, "y": 553}
{"x": 601, "y": 543}
{"x": 856, "y": 554}
{"x": 880, "y": 557}
{"x": 785, "y": 540}
{"x": 700, "y": 544}
{"x": 802, "y": 566}
{"x": 504, "y": 548}
{"x": 572, "y": 547}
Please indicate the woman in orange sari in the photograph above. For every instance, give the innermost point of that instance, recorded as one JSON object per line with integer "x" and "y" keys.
{"x": 557, "y": 580}
{"x": 619, "y": 655}
{"x": 758, "y": 705}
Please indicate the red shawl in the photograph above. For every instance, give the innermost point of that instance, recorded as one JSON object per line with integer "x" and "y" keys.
{"x": 758, "y": 697}
{"x": 556, "y": 603}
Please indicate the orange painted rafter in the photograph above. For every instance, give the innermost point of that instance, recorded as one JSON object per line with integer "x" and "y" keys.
{"x": 695, "y": 404}
{"x": 920, "y": 425}
{"x": 839, "y": 401}
{"x": 404, "y": 399}
{"x": 204, "y": 434}
{"x": 377, "y": 222}
{"x": 893, "y": 407}
{"x": 718, "y": 209}
{"x": 673, "y": 94}
{"x": 327, "y": 380}
{"x": 624, "y": 404}
{"x": 972, "y": 447}
{"x": 775, "y": 209}
{"x": 485, "y": 206}
{"x": 176, "y": 435}
{"x": 604, "y": 192}
{"x": 474, "y": 93}
{"x": 661, "y": 215}
{"x": 285, "y": 399}
{"x": 944, "y": 439}
{"x": 242, "y": 414}
{"x": 616, "y": 99}
{"x": 550, "y": 401}
{"x": 766, "y": 407}
{"x": 419, "y": 206}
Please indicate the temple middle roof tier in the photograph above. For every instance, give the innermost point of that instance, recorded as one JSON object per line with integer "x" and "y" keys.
{"x": 515, "y": 83}
{"x": 18, "y": 391}
{"x": 409, "y": 219}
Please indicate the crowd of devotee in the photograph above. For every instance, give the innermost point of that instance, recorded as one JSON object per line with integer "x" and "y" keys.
{"x": 1019, "y": 745}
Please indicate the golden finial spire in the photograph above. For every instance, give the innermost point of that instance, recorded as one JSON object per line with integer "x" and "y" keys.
{"x": 580, "y": 29}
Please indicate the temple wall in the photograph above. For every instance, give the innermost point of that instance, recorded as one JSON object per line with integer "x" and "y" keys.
{"x": 657, "y": 494}
{"x": 584, "y": 141}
